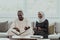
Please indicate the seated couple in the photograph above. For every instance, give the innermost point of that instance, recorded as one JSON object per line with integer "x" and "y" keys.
{"x": 21, "y": 26}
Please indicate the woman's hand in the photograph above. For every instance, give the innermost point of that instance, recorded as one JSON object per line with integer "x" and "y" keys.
{"x": 39, "y": 28}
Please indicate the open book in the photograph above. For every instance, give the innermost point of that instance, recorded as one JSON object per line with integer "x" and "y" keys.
{"x": 15, "y": 32}
{"x": 19, "y": 33}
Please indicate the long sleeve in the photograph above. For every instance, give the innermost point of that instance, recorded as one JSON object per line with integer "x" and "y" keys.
{"x": 29, "y": 31}
{"x": 46, "y": 24}
{"x": 11, "y": 30}
{"x": 21, "y": 26}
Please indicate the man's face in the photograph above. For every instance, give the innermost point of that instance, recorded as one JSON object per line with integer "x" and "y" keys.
{"x": 39, "y": 15}
{"x": 20, "y": 15}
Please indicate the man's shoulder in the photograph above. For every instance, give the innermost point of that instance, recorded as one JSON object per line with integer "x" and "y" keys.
{"x": 15, "y": 20}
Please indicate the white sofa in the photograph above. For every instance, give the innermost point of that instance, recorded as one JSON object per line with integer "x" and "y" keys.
{"x": 4, "y": 27}
{"x": 56, "y": 35}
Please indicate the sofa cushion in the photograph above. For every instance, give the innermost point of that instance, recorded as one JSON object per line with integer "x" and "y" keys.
{"x": 4, "y": 26}
{"x": 57, "y": 27}
{"x": 51, "y": 29}
{"x": 9, "y": 24}
{"x": 53, "y": 36}
{"x": 3, "y": 35}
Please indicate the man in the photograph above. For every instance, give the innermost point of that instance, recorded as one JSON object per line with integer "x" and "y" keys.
{"x": 20, "y": 26}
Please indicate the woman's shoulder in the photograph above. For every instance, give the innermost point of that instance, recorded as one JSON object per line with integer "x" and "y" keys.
{"x": 46, "y": 20}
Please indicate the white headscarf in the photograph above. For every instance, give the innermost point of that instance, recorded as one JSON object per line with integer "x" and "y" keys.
{"x": 42, "y": 19}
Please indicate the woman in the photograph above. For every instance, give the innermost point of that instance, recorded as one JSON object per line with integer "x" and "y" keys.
{"x": 41, "y": 25}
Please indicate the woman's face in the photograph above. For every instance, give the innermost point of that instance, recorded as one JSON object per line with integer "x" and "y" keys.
{"x": 39, "y": 15}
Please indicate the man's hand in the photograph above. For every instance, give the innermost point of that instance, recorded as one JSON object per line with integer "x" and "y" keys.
{"x": 26, "y": 28}
{"x": 16, "y": 29}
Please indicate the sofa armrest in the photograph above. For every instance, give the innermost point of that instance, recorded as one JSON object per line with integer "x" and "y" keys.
{"x": 53, "y": 36}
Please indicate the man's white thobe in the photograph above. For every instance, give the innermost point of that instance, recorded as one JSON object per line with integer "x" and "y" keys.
{"x": 21, "y": 25}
